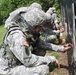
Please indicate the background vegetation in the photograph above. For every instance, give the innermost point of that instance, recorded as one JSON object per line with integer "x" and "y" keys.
{"x": 2, "y": 33}
{"x": 7, "y": 6}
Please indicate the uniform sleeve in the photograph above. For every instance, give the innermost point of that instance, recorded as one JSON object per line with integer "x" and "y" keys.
{"x": 51, "y": 32}
{"x": 55, "y": 32}
{"x": 49, "y": 46}
{"x": 15, "y": 42}
{"x": 57, "y": 47}
{"x": 42, "y": 60}
{"x": 24, "y": 54}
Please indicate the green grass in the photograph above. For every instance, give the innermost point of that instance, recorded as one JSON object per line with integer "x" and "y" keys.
{"x": 2, "y": 33}
{"x": 53, "y": 53}
{"x": 53, "y": 67}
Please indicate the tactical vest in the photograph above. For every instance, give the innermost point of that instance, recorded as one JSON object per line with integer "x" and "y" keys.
{"x": 5, "y": 52}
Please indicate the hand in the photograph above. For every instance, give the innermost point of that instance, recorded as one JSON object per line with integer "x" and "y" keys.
{"x": 57, "y": 26}
{"x": 68, "y": 46}
{"x": 61, "y": 30}
{"x": 57, "y": 62}
{"x": 25, "y": 43}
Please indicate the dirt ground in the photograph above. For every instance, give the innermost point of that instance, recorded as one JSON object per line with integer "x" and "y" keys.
{"x": 65, "y": 68}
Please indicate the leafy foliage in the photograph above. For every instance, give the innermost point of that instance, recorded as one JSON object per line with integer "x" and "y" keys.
{"x": 6, "y": 6}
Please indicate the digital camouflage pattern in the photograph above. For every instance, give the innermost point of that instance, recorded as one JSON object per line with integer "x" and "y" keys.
{"x": 17, "y": 59}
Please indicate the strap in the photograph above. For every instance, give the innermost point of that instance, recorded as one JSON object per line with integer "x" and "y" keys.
{"x": 13, "y": 28}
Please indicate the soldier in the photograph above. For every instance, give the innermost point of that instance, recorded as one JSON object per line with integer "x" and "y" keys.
{"x": 54, "y": 16}
{"x": 53, "y": 31}
{"x": 56, "y": 23}
{"x": 31, "y": 20}
{"x": 50, "y": 35}
{"x": 22, "y": 36}
{"x": 15, "y": 53}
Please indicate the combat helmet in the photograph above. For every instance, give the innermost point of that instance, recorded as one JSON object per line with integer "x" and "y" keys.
{"x": 48, "y": 16}
{"x": 50, "y": 12}
{"x": 37, "y": 5}
{"x": 53, "y": 9}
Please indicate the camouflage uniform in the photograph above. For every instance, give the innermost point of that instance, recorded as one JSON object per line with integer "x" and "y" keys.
{"x": 17, "y": 59}
{"x": 51, "y": 33}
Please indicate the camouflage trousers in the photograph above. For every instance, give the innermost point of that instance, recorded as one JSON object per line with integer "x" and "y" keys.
{"x": 22, "y": 70}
